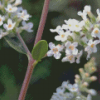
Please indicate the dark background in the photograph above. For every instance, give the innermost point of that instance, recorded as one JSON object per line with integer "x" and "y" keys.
{"x": 49, "y": 73}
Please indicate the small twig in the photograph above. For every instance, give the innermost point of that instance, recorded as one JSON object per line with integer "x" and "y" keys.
{"x": 31, "y": 60}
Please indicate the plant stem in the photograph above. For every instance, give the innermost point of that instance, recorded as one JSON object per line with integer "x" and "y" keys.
{"x": 32, "y": 62}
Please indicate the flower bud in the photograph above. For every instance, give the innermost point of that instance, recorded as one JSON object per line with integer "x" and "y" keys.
{"x": 93, "y": 78}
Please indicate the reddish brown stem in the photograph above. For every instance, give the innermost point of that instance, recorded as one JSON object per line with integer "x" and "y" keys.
{"x": 31, "y": 60}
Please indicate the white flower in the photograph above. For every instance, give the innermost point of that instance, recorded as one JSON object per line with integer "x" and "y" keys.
{"x": 62, "y": 36}
{"x": 70, "y": 24}
{"x": 58, "y": 30}
{"x": 87, "y": 9}
{"x": 27, "y": 26}
{"x": 10, "y": 25}
{"x": 65, "y": 27}
{"x": 89, "y": 97}
{"x": 96, "y": 33}
{"x": 17, "y": 2}
{"x": 92, "y": 92}
{"x": 78, "y": 56}
{"x": 69, "y": 57}
{"x": 73, "y": 88}
{"x": 74, "y": 25}
{"x": 91, "y": 47}
{"x": 98, "y": 12}
{"x": 24, "y": 15}
{"x": 2, "y": 34}
{"x": 65, "y": 84}
{"x": 71, "y": 47}
{"x": 10, "y": 8}
{"x": 60, "y": 90}
{"x": 55, "y": 50}
{"x": 1, "y": 20}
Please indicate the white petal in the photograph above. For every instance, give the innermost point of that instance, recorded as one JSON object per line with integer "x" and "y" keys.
{"x": 64, "y": 59}
{"x": 75, "y": 44}
{"x": 57, "y": 55}
{"x": 94, "y": 49}
{"x": 75, "y": 51}
{"x": 58, "y": 38}
{"x": 51, "y": 45}
{"x": 49, "y": 53}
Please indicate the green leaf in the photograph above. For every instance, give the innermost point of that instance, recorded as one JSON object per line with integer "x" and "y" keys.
{"x": 39, "y": 50}
{"x": 15, "y": 43}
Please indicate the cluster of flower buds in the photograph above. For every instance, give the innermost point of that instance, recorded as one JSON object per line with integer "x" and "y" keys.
{"x": 68, "y": 91}
{"x": 73, "y": 33}
{"x": 11, "y": 16}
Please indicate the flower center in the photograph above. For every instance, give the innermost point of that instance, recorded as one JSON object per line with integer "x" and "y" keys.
{"x": 10, "y": 9}
{"x": 92, "y": 45}
{"x": 62, "y": 35}
{"x": 55, "y": 50}
{"x": 9, "y": 26}
{"x": 70, "y": 57}
{"x": 71, "y": 47}
{"x": 96, "y": 31}
{"x": 77, "y": 26}
{"x": 69, "y": 25}
{"x": 0, "y": 19}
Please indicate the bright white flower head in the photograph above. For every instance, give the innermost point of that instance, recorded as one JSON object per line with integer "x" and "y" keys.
{"x": 69, "y": 57}
{"x": 60, "y": 90}
{"x": 1, "y": 20}
{"x": 58, "y": 30}
{"x": 10, "y": 25}
{"x": 55, "y": 50}
{"x": 27, "y": 26}
{"x": 71, "y": 48}
{"x": 65, "y": 84}
{"x": 10, "y": 8}
{"x": 73, "y": 88}
{"x": 87, "y": 9}
{"x": 74, "y": 25}
{"x": 24, "y": 15}
{"x": 17, "y": 2}
{"x": 91, "y": 47}
{"x": 83, "y": 15}
{"x": 62, "y": 36}
{"x": 96, "y": 33}
{"x": 70, "y": 24}
{"x": 89, "y": 97}
{"x": 92, "y": 92}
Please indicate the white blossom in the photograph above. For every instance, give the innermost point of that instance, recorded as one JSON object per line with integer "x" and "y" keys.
{"x": 91, "y": 47}
{"x": 96, "y": 33}
{"x": 62, "y": 36}
{"x": 24, "y": 15}
{"x": 73, "y": 88}
{"x": 17, "y": 2}
{"x": 71, "y": 48}
{"x": 2, "y": 18}
{"x": 27, "y": 26}
{"x": 87, "y": 9}
{"x": 10, "y": 25}
{"x": 89, "y": 97}
{"x": 69, "y": 57}
{"x": 55, "y": 50}
{"x": 92, "y": 92}
{"x": 58, "y": 30}
{"x": 10, "y": 8}
{"x": 83, "y": 15}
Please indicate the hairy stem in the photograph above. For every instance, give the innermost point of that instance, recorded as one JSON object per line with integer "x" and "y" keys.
{"x": 32, "y": 62}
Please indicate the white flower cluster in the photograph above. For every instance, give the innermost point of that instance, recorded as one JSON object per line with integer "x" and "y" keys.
{"x": 73, "y": 33}
{"x": 68, "y": 91}
{"x": 11, "y": 17}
